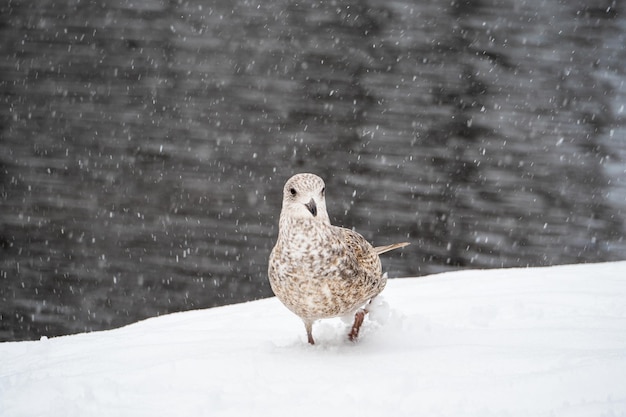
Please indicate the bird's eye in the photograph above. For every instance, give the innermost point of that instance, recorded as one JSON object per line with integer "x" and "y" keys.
{"x": 323, "y": 191}
{"x": 293, "y": 191}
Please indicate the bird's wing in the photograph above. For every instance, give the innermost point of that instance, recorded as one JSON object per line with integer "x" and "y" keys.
{"x": 364, "y": 254}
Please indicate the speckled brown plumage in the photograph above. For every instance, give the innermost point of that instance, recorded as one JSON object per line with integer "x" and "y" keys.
{"x": 318, "y": 270}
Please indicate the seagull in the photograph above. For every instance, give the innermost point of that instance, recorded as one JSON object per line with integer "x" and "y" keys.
{"x": 318, "y": 270}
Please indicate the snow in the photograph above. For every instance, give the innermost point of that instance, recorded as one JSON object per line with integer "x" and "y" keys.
{"x": 515, "y": 342}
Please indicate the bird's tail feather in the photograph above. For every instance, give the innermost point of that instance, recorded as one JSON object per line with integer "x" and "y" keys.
{"x": 382, "y": 249}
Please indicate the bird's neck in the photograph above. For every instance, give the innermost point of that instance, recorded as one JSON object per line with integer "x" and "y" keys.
{"x": 289, "y": 225}
{"x": 288, "y": 222}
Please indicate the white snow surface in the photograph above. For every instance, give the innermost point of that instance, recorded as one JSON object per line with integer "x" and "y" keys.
{"x": 508, "y": 342}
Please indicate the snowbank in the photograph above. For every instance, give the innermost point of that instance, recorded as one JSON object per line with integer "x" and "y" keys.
{"x": 517, "y": 342}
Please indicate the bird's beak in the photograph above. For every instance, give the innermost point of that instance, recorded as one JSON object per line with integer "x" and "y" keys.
{"x": 312, "y": 207}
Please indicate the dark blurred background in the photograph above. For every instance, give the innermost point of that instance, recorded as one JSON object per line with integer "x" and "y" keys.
{"x": 144, "y": 144}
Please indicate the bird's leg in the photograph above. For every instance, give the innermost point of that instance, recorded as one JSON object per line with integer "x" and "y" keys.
{"x": 359, "y": 316}
{"x": 309, "y": 331}
{"x": 358, "y": 321}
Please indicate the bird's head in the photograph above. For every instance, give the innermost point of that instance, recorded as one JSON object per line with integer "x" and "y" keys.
{"x": 304, "y": 198}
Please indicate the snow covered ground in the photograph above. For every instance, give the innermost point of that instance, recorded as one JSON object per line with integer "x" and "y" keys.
{"x": 514, "y": 342}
